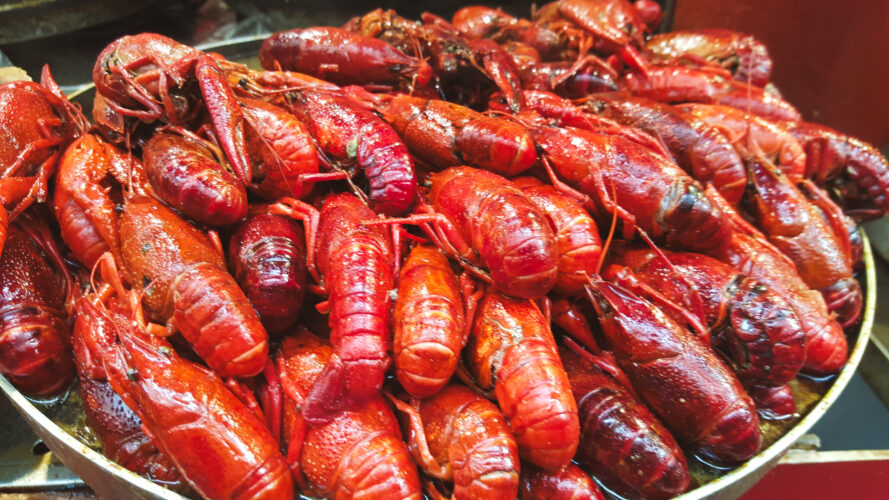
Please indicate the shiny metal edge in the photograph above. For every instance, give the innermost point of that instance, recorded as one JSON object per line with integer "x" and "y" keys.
{"x": 727, "y": 487}
{"x": 797, "y": 457}
{"x": 23, "y": 467}
{"x": 23, "y": 4}
{"x": 874, "y": 368}
{"x": 87, "y": 463}
{"x": 741, "y": 479}
{"x": 237, "y": 44}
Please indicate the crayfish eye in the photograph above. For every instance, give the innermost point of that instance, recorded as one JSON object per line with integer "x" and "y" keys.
{"x": 605, "y": 307}
{"x": 397, "y": 68}
{"x": 689, "y": 199}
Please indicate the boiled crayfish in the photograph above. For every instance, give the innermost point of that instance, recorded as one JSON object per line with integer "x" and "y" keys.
{"x": 642, "y": 298}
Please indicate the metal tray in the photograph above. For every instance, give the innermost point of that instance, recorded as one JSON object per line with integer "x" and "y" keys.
{"x": 29, "y": 19}
{"x": 110, "y": 480}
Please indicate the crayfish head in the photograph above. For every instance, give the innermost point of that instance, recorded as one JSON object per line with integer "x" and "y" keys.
{"x": 111, "y": 83}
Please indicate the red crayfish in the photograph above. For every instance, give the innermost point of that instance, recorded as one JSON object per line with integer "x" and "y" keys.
{"x": 148, "y": 76}
{"x": 358, "y": 452}
{"x": 430, "y": 322}
{"x": 512, "y": 351}
{"x": 35, "y": 298}
{"x": 459, "y": 436}
{"x": 715, "y": 414}
{"x": 355, "y": 264}
{"x": 37, "y": 122}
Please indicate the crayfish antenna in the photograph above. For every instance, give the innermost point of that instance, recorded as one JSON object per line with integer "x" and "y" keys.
{"x": 696, "y": 299}
{"x": 627, "y": 279}
{"x": 604, "y": 362}
{"x": 443, "y": 235}
{"x": 105, "y": 291}
{"x": 631, "y": 57}
{"x": 72, "y": 110}
{"x": 398, "y": 234}
{"x": 109, "y": 273}
{"x": 152, "y": 329}
{"x": 279, "y": 166}
{"x": 607, "y": 245}
{"x": 582, "y": 60}
{"x": 561, "y": 186}
{"x": 432, "y": 491}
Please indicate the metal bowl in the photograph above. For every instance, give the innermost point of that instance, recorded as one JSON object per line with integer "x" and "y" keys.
{"x": 110, "y": 480}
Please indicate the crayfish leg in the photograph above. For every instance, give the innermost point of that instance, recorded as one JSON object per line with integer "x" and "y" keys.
{"x": 440, "y": 230}
{"x": 604, "y": 361}
{"x": 4, "y": 227}
{"x": 568, "y": 317}
{"x": 625, "y": 277}
{"x": 12, "y": 190}
{"x": 303, "y": 182}
{"x": 272, "y": 399}
{"x": 419, "y": 446}
{"x": 226, "y": 115}
{"x": 300, "y": 210}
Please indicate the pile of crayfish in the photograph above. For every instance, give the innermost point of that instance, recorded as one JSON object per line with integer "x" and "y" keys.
{"x": 555, "y": 254}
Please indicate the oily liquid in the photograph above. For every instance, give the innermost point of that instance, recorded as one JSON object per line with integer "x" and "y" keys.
{"x": 807, "y": 391}
{"x": 68, "y": 414}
